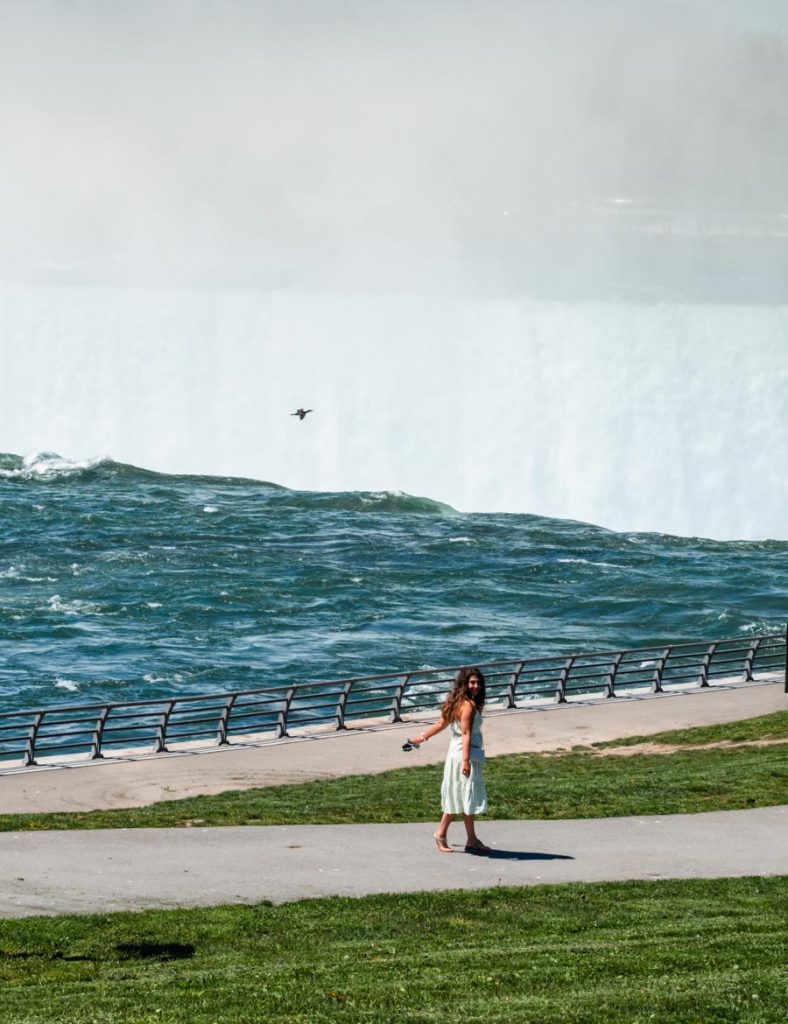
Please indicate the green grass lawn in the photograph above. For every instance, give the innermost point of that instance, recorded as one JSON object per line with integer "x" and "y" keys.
{"x": 576, "y": 784}
{"x": 680, "y": 951}
{"x": 691, "y": 952}
{"x": 764, "y": 727}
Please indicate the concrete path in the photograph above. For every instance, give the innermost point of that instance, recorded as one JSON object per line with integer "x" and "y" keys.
{"x": 361, "y": 750}
{"x": 85, "y": 872}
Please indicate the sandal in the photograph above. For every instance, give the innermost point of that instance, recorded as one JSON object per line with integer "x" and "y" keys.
{"x": 477, "y": 846}
{"x": 442, "y": 843}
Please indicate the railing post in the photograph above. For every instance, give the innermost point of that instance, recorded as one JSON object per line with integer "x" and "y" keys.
{"x": 705, "y": 664}
{"x": 656, "y": 685}
{"x": 98, "y": 733}
{"x": 281, "y": 722}
{"x": 749, "y": 659}
{"x": 786, "y": 657}
{"x": 161, "y": 730}
{"x": 511, "y": 692}
{"x": 224, "y": 719}
{"x": 560, "y": 693}
{"x": 396, "y": 700}
{"x": 32, "y": 736}
{"x": 341, "y": 702}
{"x": 611, "y": 676}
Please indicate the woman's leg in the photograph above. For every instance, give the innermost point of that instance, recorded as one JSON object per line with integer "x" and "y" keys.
{"x": 474, "y": 844}
{"x": 441, "y": 834}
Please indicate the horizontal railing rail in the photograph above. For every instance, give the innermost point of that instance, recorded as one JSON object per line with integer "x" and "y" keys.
{"x": 157, "y": 725}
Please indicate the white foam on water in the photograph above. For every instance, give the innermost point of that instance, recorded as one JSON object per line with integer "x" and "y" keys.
{"x": 764, "y": 626}
{"x": 49, "y": 465}
{"x": 67, "y": 684}
{"x": 376, "y": 497}
{"x": 76, "y": 607}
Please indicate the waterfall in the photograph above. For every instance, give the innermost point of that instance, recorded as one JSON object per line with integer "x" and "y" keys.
{"x": 650, "y": 417}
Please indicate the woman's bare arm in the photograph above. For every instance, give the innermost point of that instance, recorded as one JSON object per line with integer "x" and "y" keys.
{"x": 466, "y": 725}
{"x": 433, "y": 730}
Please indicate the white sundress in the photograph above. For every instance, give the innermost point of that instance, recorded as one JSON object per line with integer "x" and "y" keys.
{"x": 461, "y": 795}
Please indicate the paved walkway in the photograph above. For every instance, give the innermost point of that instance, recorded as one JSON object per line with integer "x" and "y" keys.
{"x": 85, "y": 872}
{"x": 362, "y": 750}
{"x": 131, "y": 869}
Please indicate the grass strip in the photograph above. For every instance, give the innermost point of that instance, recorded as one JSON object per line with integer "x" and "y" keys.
{"x": 568, "y": 785}
{"x": 764, "y": 727}
{"x": 636, "y": 952}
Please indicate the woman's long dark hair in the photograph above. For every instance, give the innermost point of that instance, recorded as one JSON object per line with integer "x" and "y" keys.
{"x": 453, "y": 703}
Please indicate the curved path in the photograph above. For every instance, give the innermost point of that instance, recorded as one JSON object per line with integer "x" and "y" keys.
{"x": 117, "y": 869}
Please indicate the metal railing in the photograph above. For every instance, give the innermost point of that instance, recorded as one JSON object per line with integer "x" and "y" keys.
{"x": 90, "y": 731}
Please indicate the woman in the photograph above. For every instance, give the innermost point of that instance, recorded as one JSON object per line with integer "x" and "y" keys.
{"x": 463, "y": 790}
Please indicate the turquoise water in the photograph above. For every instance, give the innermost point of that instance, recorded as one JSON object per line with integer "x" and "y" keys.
{"x": 117, "y": 584}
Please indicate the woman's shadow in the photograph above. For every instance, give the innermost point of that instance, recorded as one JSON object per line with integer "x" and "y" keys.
{"x": 518, "y": 855}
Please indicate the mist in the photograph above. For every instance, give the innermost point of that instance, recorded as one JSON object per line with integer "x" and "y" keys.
{"x": 614, "y": 149}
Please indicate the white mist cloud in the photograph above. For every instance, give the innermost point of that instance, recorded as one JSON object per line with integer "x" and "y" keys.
{"x": 334, "y": 143}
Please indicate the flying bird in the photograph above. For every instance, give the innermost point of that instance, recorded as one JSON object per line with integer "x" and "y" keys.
{"x": 300, "y": 413}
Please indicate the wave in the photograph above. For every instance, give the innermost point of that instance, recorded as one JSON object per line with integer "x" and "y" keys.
{"x": 372, "y": 501}
{"x": 50, "y": 467}
{"x": 46, "y": 467}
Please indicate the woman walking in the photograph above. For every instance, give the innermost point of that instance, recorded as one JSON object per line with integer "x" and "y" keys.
{"x": 463, "y": 791}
